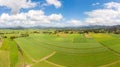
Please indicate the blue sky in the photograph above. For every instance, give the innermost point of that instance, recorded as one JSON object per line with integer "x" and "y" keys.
{"x": 74, "y": 10}
{"x": 70, "y": 8}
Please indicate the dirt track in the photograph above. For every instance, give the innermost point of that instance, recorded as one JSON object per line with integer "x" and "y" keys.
{"x": 107, "y": 65}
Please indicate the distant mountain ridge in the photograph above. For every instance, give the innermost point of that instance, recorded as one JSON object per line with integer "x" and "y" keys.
{"x": 78, "y": 27}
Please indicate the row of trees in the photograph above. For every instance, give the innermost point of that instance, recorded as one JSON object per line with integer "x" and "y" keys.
{"x": 21, "y": 35}
{"x": 17, "y": 36}
{"x": 114, "y": 29}
{"x": 87, "y": 31}
{"x": 81, "y": 31}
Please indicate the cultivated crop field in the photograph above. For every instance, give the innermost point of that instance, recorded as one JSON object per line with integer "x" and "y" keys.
{"x": 60, "y": 50}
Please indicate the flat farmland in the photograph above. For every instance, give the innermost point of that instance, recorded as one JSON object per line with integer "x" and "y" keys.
{"x": 4, "y": 59}
{"x": 110, "y": 41}
{"x": 71, "y": 50}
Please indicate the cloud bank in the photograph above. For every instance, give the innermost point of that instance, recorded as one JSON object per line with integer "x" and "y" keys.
{"x": 56, "y": 3}
{"x": 16, "y": 5}
{"x": 108, "y": 15}
{"x": 31, "y": 18}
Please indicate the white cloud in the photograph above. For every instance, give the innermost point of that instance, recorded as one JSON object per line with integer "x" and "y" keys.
{"x": 16, "y": 5}
{"x": 55, "y": 17}
{"x": 74, "y": 22}
{"x": 113, "y": 5}
{"x": 70, "y": 23}
{"x": 56, "y": 3}
{"x": 31, "y": 18}
{"x": 109, "y": 15}
{"x": 95, "y": 4}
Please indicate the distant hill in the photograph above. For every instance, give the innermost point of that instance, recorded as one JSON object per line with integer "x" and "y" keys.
{"x": 79, "y": 27}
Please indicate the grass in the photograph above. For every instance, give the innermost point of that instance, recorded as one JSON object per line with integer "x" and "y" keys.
{"x": 83, "y": 60}
{"x": 110, "y": 41}
{"x": 115, "y": 65}
{"x": 4, "y": 59}
{"x": 73, "y": 51}
{"x": 11, "y": 46}
{"x": 44, "y": 64}
{"x": 21, "y": 61}
{"x": 33, "y": 49}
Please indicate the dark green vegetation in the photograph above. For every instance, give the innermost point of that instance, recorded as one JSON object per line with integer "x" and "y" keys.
{"x": 56, "y": 48}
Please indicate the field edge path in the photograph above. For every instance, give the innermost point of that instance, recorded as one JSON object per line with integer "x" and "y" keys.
{"x": 44, "y": 58}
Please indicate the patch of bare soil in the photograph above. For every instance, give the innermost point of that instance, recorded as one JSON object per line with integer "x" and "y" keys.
{"x": 62, "y": 35}
{"x": 87, "y": 36}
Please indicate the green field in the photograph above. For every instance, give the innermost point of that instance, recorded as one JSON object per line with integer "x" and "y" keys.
{"x": 75, "y": 49}
{"x": 11, "y": 47}
{"x": 61, "y": 50}
{"x": 4, "y": 59}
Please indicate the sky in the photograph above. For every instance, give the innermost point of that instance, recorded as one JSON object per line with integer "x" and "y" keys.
{"x": 59, "y": 13}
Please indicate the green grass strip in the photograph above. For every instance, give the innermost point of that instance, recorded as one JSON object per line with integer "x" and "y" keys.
{"x": 11, "y": 46}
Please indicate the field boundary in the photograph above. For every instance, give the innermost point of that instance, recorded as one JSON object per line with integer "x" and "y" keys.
{"x": 110, "y": 49}
{"x": 69, "y": 47}
{"x": 0, "y": 43}
{"x": 24, "y": 52}
{"x": 115, "y": 52}
{"x": 54, "y": 63}
{"x": 110, "y": 63}
{"x": 44, "y": 58}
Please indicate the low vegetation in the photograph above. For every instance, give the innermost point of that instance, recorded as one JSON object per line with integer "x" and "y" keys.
{"x": 59, "y": 48}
